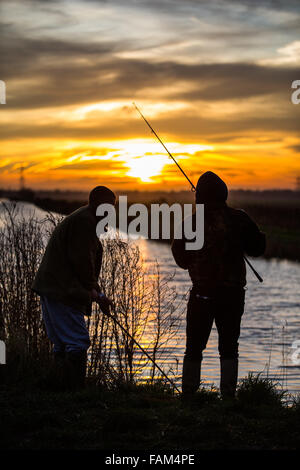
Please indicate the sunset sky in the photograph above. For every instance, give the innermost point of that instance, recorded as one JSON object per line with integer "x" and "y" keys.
{"x": 213, "y": 78}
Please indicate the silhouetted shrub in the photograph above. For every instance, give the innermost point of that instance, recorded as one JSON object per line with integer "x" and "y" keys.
{"x": 144, "y": 304}
{"x": 255, "y": 390}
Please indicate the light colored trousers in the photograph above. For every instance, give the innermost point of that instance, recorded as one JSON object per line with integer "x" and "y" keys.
{"x": 65, "y": 326}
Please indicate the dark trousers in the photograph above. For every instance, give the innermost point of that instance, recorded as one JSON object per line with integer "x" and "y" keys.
{"x": 226, "y": 307}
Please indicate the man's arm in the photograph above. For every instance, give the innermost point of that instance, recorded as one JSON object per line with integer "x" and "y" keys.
{"x": 82, "y": 249}
{"x": 254, "y": 241}
{"x": 179, "y": 253}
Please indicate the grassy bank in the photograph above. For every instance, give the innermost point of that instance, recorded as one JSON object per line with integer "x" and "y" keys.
{"x": 281, "y": 223}
{"x": 147, "y": 418}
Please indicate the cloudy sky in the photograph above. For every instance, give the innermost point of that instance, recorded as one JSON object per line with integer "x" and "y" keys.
{"x": 213, "y": 77}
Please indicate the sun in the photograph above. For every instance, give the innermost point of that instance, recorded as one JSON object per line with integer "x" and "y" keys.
{"x": 146, "y": 167}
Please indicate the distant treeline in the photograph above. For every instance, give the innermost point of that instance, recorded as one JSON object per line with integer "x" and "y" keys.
{"x": 236, "y": 196}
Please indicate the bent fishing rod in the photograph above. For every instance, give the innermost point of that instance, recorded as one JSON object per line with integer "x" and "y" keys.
{"x": 185, "y": 175}
{"x": 108, "y": 314}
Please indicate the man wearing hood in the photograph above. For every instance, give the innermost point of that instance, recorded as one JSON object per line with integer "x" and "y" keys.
{"x": 218, "y": 274}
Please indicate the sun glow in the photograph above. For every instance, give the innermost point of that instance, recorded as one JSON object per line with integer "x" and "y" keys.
{"x": 146, "y": 167}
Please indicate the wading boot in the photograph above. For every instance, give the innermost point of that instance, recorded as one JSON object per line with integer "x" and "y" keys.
{"x": 190, "y": 378}
{"x": 58, "y": 379}
{"x": 229, "y": 375}
{"x": 76, "y": 369}
{"x": 54, "y": 378}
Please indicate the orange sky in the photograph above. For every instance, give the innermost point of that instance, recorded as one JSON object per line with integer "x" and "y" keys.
{"x": 213, "y": 78}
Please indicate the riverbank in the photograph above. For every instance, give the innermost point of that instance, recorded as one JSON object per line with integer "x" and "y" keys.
{"x": 146, "y": 418}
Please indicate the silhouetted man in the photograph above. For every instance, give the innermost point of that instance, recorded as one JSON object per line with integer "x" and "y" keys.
{"x": 67, "y": 281}
{"x": 218, "y": 274}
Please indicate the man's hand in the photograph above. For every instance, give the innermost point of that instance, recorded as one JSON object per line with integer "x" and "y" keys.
{"x": 94, "y": 294}
{"x": 104, "y": 303}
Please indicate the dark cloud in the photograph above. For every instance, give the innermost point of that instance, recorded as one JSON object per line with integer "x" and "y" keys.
{"x": 166, "y": 5}
{"x": 56, "y": 72}
{"x": 86, "y": 181}
{"x": 43, "y": 72}
{"x": 13, "y": 166}
{"x": 60, "y": 73}
{"x": 187, "y": 127}
{"x": 88, "y": 165}
{"x": 296, "y": 148}
{"x": 238, "y": 80}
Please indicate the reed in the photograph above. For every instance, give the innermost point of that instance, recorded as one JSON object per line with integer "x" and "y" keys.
{"x": 144, "y": 303}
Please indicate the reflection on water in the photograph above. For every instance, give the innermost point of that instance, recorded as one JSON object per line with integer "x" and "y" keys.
{"x": 270, "y": 323}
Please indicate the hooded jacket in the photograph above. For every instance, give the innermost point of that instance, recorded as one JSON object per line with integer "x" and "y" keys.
{"x": 228, "y": 234}
{"x": 71, "y": 263}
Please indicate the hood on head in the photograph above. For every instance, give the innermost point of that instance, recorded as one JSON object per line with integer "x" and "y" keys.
{"x": 210, "y": 188}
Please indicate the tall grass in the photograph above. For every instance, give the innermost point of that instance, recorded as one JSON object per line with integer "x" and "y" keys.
{"x": 144, "y": 304}
{"x": 257, "y": 390}
{"x": 21, "y": 247}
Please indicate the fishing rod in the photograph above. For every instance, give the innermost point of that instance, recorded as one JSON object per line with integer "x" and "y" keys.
{"x": 185, "y": 175}
{"x": 169, "y": 153}
{"x": 106, "y": 312}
